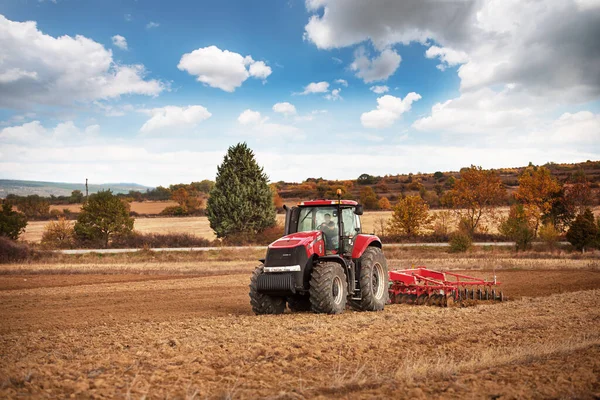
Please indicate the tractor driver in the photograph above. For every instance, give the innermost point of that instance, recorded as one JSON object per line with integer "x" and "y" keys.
{"x": 330, "y": 231}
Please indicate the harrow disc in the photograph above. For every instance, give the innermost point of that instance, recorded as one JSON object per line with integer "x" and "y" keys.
{"x": 422, "y": 299}
{"x": 411, "y": 299}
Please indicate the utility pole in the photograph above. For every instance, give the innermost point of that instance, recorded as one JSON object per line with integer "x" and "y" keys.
{"x": 86, "y": 190}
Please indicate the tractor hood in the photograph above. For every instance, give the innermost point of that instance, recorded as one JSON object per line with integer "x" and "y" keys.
{"x": 296, "y": 239}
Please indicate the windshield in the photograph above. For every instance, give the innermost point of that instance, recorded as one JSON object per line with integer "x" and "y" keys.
{"x": 325, "y": 219}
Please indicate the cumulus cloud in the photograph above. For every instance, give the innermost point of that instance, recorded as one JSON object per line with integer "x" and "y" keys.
{"x": 173, "y": 117}
{"x": 120, "y": 42}
{"x": 389, "y": 109}
{"x": 448, "y": 57}
{"x": 259, "y": 126}
{"x": 377, "y": 69}
{"x": 481, "y": 112}
{"x": 36, "y": 68}
{"x": 222, "y": 69}
{"x": 35, "y": 134}
{"x": 580, "y": 127}
{"x": 284, "y": 108}
{"x": 548, "y": 48}
{"x": 316, "y": 87}
{"x": 379, "y": 89}
{"x": 342, "y": 82}
{"x": 334, "y": 95}
{"x": 248, "y": 117}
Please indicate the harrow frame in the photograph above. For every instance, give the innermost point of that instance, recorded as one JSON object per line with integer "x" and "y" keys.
{"x": 421, "y": 285}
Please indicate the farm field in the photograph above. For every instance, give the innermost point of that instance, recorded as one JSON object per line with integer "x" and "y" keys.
{"x": 200, "y": 226}
{"x": 126, "y": 327}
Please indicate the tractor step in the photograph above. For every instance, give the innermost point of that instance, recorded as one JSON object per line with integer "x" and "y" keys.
{"x": 423, "y": 286}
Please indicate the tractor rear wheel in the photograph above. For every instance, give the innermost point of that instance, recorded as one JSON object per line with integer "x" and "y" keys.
{"x": 373, "y": 281}
{"x": 263, "y": 303}
{"x": 299, "y": 303}
{"x": 328, "y": 288}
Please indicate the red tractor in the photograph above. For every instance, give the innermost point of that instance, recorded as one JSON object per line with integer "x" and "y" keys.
{"x": 323, "y": 263}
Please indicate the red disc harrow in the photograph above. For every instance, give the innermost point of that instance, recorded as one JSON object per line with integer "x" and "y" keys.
{"x": 424, "y": 286}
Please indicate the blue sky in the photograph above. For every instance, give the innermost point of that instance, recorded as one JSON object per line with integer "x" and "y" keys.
{"x": 154, "y": 92}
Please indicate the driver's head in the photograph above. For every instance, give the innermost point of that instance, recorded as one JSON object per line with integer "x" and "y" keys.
{"x": 327, "y": 217}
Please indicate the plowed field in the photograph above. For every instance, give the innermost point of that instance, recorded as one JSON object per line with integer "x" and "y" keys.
{"x": 186, "y": 335}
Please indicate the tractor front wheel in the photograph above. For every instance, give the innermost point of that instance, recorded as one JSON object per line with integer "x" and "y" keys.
{"x": 328, "y": 288}
{"x": 373, "y": 281}
{"x": 263, "y": 303}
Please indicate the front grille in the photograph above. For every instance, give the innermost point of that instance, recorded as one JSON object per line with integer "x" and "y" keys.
{"x": 288, "y": 256}
{"x": 276, "y": 283}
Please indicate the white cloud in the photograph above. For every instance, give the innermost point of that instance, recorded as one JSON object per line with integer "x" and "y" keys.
{"x": 548, "y": 48}
{"x": 127, "y": 17}
{"x": 337, "y": 60}
{"x": 580, "y": 127}
{"x": 36, "y": 68}
{"x": 379, "y": 89}
{"x": 316, "y": 87}
{"x": 342, "y": 82}
{"x": 173, "y": 117}
{"x": 222, "y": 69}
{"x": 481, "y": 112}
{"x": 389, "y": 109}
{"x": 34, "y": 134}
{"x": 376, "y": 69}
{"x": 248, "y": 117}
{"x": 334, "y": 95}
{"x": 152, "y": 25}
{"x": 284, "y": 108}
{"x": 120, "y": 42}
{"x": 448, "y": 57}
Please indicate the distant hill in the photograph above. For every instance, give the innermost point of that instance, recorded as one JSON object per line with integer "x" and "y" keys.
{"x": 25, "y": 188}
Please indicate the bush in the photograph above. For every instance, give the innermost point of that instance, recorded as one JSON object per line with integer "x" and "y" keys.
{"x": 583, "y": 231}
{"x": 460, "y": 242}
{"x": 58, "y": 235}
{"x": 103, "y": 216}
{"x": 549, "y": 235}
{"x": 54, "y": 213}
{"x": 12, "y": 223}
{"x": 175, "y": 211}
{"x": 11, "y": 251}
{"x": 517, "y": 228}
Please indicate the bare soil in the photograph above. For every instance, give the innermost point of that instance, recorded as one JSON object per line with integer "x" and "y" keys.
{"x": 185, "y": 335}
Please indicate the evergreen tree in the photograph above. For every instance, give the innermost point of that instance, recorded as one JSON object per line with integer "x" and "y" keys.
{"x": 102, "y": 216}
{"x": 241, "y": 202}
{"x": 583, "y": 231}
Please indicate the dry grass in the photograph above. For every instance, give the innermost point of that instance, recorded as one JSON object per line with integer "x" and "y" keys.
{"x": 144, "y": 207}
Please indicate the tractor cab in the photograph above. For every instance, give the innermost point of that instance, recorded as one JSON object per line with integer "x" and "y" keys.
{"x": 338, "y": 220}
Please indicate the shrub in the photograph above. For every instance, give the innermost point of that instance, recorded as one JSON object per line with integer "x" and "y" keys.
{"x": 12, "y": 223}
{"x": 11, "y": 251}
{"x": 549, "y": 235}
{"x": 58, "y": 234}
{"x": 103, "y": 216}
{"x": 517, "y": 228}
{"x": 583, "y": 231}
{"x": 54, "y": 213}
{"x": 460, "y": 242}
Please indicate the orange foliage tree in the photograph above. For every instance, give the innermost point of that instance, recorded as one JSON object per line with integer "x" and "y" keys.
{"x": 537, "y": 192}
{"x": 410, "y": 217}
{"x": 477, "y": 193}
{"x": 384, "y": 203}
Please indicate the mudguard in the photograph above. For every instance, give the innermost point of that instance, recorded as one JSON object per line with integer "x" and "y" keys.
{"x": 361, "y": 242}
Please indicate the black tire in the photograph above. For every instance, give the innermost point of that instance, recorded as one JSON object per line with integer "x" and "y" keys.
{"x": 299, "y": 303}
{"x": 328, "y": 288}
{"x": 263, "y": 303}
{"x": 373, "y": 281}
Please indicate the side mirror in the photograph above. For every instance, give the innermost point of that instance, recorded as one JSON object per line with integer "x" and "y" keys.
{"x": 358, "y": 209}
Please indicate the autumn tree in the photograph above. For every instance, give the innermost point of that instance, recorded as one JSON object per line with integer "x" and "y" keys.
{"x": 537, "y": 190}
{"x": 384, "y": 203}
{"x": 102, "y": 217}
{"x": 58, "y": 234}
{"x": 410, "y": 217}
{"x": 517, "y": 227}
{"x": 577, "y": 192}
{"x": 476, "y": 194}
{"x": 189, "y": 202}
{"x": 368, "y": 198}
{"x": 33, "y": 206}
{"x": 277, "y": 200}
